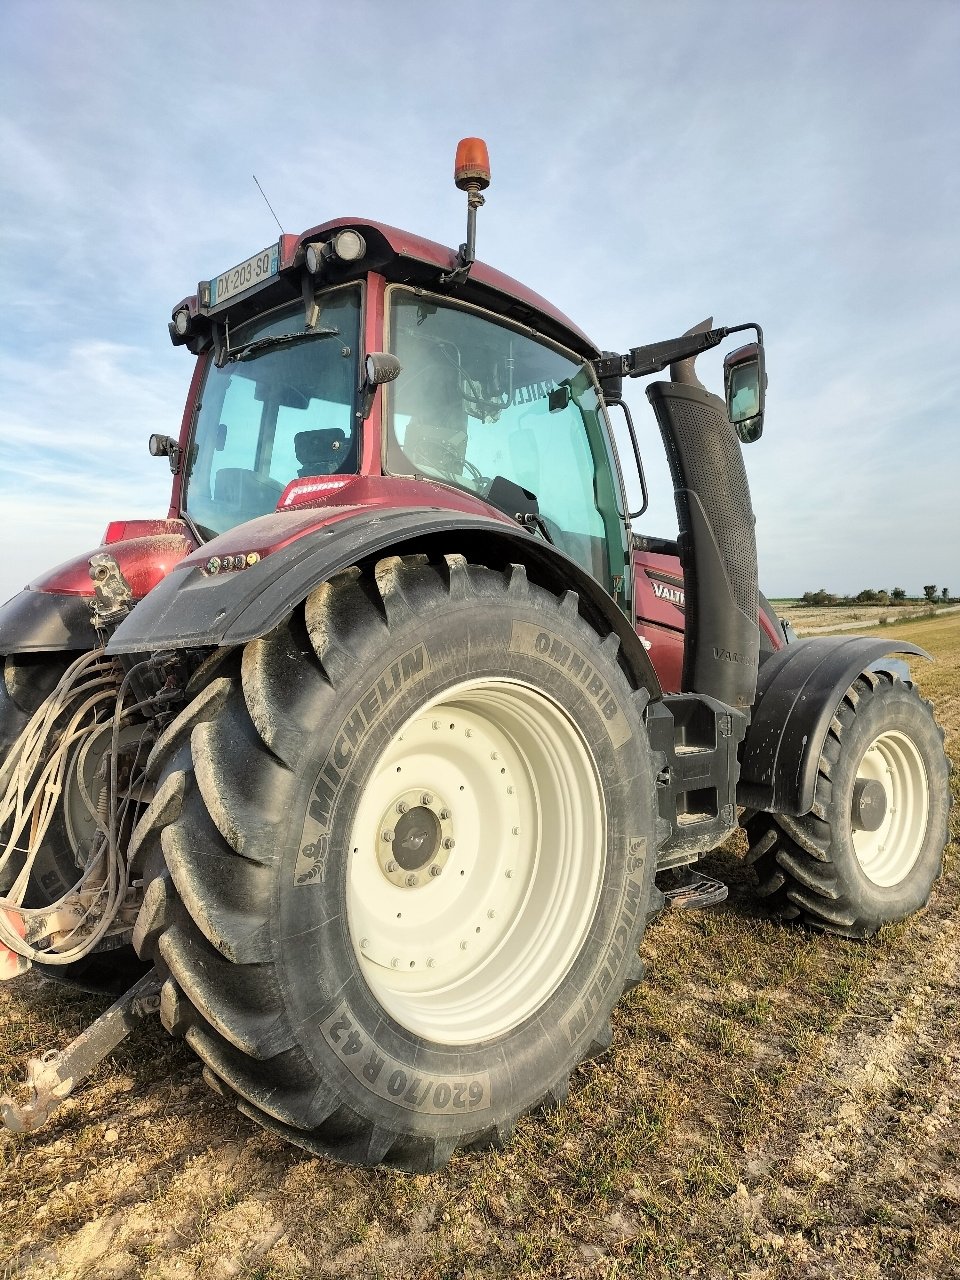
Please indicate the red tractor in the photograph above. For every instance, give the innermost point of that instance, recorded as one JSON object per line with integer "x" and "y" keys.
{"x": 375, "y": 749}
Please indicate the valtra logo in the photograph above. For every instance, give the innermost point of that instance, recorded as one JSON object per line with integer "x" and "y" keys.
{"x": 665, "y": 591}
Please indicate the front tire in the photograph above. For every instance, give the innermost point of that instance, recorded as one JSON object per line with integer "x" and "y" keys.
{"x": 871, "y": 849}
{"x": 407, "y": 857}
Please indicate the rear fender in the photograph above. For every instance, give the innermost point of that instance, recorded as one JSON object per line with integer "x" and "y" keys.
{"x": 193, "y": 608}
{"x": 798, "y": 692}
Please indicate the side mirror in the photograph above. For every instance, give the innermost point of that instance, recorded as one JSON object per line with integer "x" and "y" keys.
{"x": 745, "y": 382}
{"x": 379, "y": 367}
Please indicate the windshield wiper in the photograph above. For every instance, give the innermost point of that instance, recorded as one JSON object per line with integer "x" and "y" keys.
{"x": 279, "y": 340}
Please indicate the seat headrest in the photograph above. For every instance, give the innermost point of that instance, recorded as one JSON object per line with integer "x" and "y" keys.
{"x": 320, "y": 452}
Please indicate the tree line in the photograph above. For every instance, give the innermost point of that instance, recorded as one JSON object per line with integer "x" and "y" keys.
{"x": 824, "y": 598}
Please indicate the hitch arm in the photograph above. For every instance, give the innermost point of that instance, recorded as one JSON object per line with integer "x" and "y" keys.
{"x": 52, "y": 1078}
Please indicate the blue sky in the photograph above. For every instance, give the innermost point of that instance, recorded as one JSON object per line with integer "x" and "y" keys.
{"x": 653, "y": 163}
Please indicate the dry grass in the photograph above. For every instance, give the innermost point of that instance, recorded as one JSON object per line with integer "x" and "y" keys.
{"x": 775, "y": 1106}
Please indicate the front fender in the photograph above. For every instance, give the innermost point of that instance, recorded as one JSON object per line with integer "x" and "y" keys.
{"x": 193, "y": 608}
{"x": 798, "y": 692}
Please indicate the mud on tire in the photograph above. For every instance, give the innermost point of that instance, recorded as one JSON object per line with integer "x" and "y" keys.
{"x": 871, "y": 849}
{"x": 400, "y": 859}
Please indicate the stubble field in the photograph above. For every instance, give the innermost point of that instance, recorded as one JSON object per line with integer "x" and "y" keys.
{"x": 775, "y": 1105}
{"x": 817, "y": 620}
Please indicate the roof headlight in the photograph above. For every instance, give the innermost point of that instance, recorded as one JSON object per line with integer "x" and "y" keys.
{"x": 345, "y": 246}
{"x": 349, "y": 246}
{"x": 314, "y": 256}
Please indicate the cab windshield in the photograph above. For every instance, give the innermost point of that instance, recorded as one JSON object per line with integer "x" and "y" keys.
{"x": 494, "y": 411}
{"x": 281, "y": 406}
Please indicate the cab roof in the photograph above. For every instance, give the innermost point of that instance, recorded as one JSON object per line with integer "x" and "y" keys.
{"x": 404, "y": 258}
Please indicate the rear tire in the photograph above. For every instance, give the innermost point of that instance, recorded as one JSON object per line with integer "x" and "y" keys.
{"x": 871, "y": 849}
{"x": 402, "y": 859}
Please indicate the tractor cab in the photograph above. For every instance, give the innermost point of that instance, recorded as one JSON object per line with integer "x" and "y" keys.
{"x": 485, "y": 390}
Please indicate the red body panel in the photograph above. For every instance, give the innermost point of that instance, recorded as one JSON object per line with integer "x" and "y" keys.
{"x": 143, "y": 561}
{"x": 659, "y": 604}
{"x": 659, "y": 617}
{"x": 269, "y": 533}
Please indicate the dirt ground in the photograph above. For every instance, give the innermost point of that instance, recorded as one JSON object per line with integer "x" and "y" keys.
{"x": 775, "y": 1106}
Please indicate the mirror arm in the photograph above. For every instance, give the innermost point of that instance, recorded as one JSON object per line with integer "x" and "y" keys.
{"x": 639, "y": 362}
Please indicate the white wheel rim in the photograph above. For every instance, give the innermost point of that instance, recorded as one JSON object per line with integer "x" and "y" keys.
{"x": 473, "y": 949}
{"x": 888, "y": 854}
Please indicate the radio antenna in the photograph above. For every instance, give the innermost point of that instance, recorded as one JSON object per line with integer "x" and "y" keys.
{"x": 268, "y": 204}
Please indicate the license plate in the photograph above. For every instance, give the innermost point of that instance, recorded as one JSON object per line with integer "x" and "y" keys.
{"x": 246, "y": 276}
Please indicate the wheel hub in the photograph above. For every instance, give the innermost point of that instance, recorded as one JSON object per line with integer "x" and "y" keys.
{"x": 414, "y": 839}
{"x": 869, "y": 804}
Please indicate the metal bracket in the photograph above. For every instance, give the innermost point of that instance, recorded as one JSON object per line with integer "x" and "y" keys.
{"x": 52, "y": 1078}
{"x": 113, "y": 594}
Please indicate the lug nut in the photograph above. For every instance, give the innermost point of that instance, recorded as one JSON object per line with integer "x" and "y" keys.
{"x": 364, "y": 943}
{"x": 387, "y": 837}
{"x": 444, "y": 815}
{"x": 401, "y": 806}
{"x": 449, "y": 843}
{"x": 390, "y": 867}
{"x": 394, "y": 963}
{"x": 431, "y": 963}
{"x": 516, "y": 831}
{"x": 436, "y": 871}
{"x": 463, "y": 946}
{"x": 412, "y": 880}
{"x": 426, "y": 798}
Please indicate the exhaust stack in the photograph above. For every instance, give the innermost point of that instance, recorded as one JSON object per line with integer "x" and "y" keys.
{"x": 718, "y": 548}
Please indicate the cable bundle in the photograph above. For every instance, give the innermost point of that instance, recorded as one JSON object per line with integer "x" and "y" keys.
{"x": 84, "y": 713}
